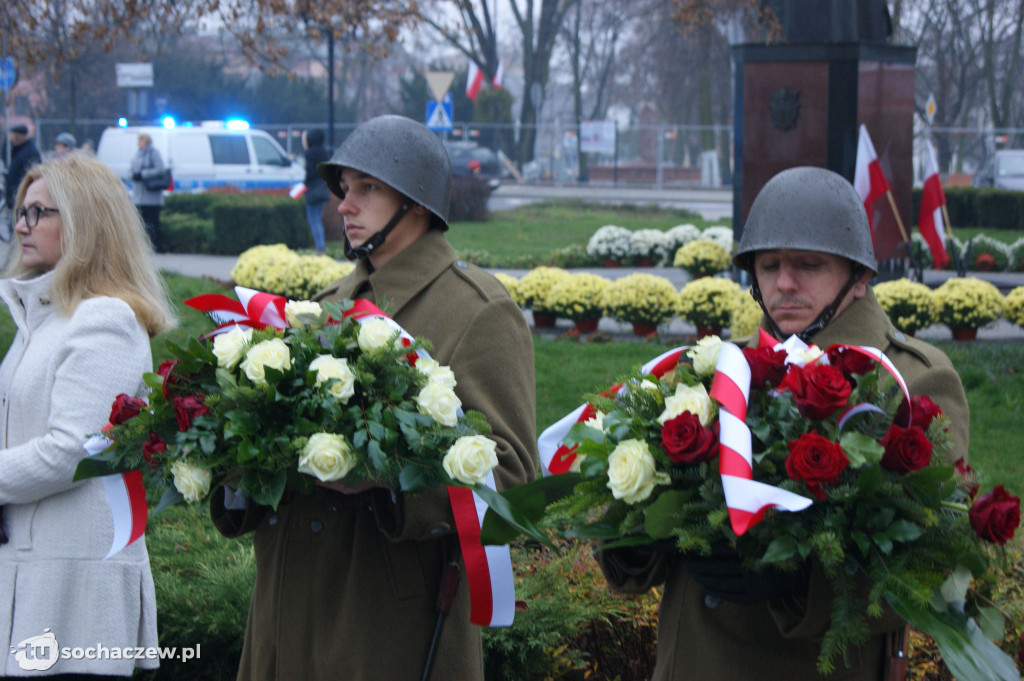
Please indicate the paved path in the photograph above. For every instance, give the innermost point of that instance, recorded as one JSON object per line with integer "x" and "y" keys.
{"x": 219, "y": 267}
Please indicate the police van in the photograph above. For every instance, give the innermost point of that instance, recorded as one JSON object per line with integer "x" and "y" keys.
{"x": 206, "y": 155}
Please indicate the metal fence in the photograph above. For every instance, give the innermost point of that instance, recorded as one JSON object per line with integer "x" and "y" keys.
{"x": 645, "y": 155}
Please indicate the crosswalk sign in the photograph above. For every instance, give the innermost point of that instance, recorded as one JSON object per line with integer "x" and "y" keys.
{"x": 439, "y": 114}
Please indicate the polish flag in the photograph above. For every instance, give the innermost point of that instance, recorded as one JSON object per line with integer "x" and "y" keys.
{"x": 498, "y": 75}
{"x": 474, "y": 81}
{"x": 930, "y": 222}
{"x": 869, "y": 180}
{"x": 298, "y": 190}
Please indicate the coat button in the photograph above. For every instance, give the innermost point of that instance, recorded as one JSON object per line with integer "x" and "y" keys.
{"x": 316, "y": 525}
{"x": 711, "y": 601}
{"x": 272, "y": 520}
{"x": 899, "y": 336}
{"x": 440, "y": 530}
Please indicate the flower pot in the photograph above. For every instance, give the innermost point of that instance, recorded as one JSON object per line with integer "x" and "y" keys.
{"x": 608, "y": 262}
{"x": 587, "y": 325}
{"x": 644, "y": 329}
{"x": 704, "y": 331}
{"x": 985, "y": 263}
{"x": 544, "y": 320}
{"x": 644, "y": 262}
{"x": 965, "y": 333}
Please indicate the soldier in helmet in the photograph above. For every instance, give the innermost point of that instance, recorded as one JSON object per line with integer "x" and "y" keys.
{"x": 347, "y": 580}
{"x": 808, "y": 247}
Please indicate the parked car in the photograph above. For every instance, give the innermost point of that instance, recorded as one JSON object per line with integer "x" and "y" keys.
{"x": 469, "y": 159}
{"x": 205, "y": 156}
{"x": 1003, "y": 170}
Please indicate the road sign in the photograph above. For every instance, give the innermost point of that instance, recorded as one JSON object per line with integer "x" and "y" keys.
{"x": 439, "y": 82}
{"x": 930, "y": 109}
{"x": 439, "y": 114}
{"x": 8, "y": 73}
{"x": 134, "y": 75}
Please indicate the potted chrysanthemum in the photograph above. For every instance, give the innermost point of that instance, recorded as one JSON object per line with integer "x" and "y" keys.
{"x": 702, "y": 258}
{"x": 649, "y": 246}
{"x": 679, "y": 236}
{"x": 746, "y": 317}
{"x": 643, "y": 300}
{"x": 967, "y": 304}
{"x": 721, "y": 235}
{"x": 532, "y": 291}
{"x": 911, "y": 306}
{"x": 708, "y": 303}
{"x": 1014, "y": 306}
{"x": 612, "y": 244}
{"x": 578, "y": 297}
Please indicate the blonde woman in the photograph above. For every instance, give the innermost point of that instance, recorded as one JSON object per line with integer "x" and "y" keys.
{"x": 86, "y": 300}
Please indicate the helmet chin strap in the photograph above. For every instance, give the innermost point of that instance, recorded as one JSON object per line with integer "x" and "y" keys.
{"x": 377, "y": 240}
{"x": 823, "y": 318}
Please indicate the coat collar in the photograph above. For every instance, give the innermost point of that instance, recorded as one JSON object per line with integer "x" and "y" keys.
{"x": 864, "y": 322}
{"x": 29, "y": 298}
{"x": 406, "y": 274}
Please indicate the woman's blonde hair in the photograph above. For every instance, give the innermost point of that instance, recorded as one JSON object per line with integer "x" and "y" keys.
{"x": 145, "y": 136}
{"x": 104, "y": 247}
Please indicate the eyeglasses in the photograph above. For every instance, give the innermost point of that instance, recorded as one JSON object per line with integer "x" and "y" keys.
{"x": 33, "y": 213}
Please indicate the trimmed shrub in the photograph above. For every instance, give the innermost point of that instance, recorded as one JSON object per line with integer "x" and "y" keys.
{"x": 1000, "y": 209}
{"x": 469, "y": 200}
{"x": 243, "y": 221}
{"x": 185, "y": 233}
{"x": 960, "y": 205}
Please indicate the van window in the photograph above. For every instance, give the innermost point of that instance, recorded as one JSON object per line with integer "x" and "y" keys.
{"x": 229, "y": 149}
{"x": 267, "y": 154}
{"x": 189, "y": 149}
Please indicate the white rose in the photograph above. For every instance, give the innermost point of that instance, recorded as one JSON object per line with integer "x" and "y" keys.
{"x": 439, "y": 402}
{"x": 470, "y": 459}
{"x": 691, "y": 398}
{"x": 704, "y": 355}
{"x": 301, "y": 312}
{"x": 631, "y": 474}
{"x": 328, "y": 367}
{"x": 327, "y": 457}
{"x": 436, "y": 372}
{"x": 229, "y": 347}
{"x": 271, "y": 353}
{"x": 192, "y": 481}
{"x": 804, "y": 357}
{"x": 376, "y": 332}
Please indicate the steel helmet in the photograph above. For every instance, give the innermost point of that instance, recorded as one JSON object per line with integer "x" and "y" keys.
{"x": 401, "y": 153}
{"x": 807, "y": 209}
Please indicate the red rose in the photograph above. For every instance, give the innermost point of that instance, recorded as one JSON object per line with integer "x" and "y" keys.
{"x": 165, "y": 369}
{"x": 187, "y": 408}
{"x": 685, "y": 440}
{"x": 815, "y": 460}
{"x": 967, "y": 476}
{"x": 995, "y": 515}
{"x": 766, "y": 366}
{"x": 922, "y": 411}
{"x": 849, "y": 361}
{"x": 906, "y": 449}
{"x": 154, "y": 445}
{"x": 819, "y": 390}
{"x": 125, "y": 407}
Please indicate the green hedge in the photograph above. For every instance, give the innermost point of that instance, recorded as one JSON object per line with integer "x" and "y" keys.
{"x": 231, "y": 223}
{"x": 980, "y": 207}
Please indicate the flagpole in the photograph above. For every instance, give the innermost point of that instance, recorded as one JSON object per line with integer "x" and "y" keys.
{"x": 903, "y": 233}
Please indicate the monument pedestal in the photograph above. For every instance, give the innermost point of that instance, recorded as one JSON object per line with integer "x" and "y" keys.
{"x": 802, "y": 104}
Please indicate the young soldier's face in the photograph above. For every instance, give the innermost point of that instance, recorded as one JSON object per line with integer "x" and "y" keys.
{"x": 367, "y": 206}
{"x": 797, "y": 285}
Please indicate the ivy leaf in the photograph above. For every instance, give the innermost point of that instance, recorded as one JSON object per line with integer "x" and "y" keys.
{"x": 170, "y": 497}
{"x": 377, "y": 456}
{"x": 781, "y": 549}
{"x": 860, "y": 449}
{"x": 954, "y": 589}
{"x": 500, "y": 526}
{"x": 269, "y": 489}
{"x": 904, "y": 531}
{"x": 412, "y": 478}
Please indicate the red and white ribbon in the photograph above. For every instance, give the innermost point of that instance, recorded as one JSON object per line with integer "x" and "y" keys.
{"x": 492, "y": 592}
{"x": 253, "y": 308}
{"x": 555, "y": 457}
{"x": 746, "y": 499}
{"x": 127, "y": 497}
